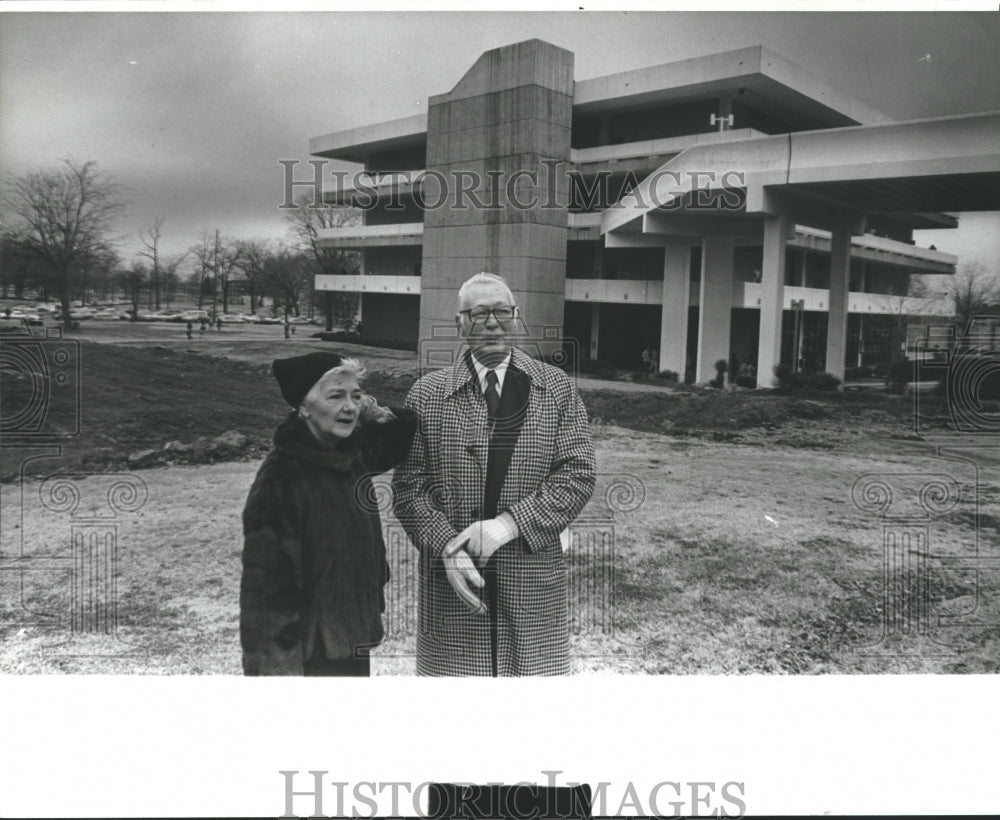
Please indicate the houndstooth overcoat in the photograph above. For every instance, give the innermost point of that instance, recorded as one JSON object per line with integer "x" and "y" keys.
{"x": 438, "y": 491}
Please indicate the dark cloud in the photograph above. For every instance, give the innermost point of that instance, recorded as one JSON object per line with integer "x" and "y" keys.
{"x": 193, "y": 111}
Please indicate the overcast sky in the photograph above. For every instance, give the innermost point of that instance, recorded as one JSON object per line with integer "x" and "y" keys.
{"x": 193, "y": 111}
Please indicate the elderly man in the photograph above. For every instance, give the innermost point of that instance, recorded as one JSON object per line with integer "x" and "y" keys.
{"x": 502, "y": 462}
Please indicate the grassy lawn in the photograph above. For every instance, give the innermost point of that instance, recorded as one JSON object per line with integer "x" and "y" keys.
{"x": 745, "y": 555}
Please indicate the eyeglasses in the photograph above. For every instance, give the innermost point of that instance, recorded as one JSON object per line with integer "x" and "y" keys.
{"x": 481, "y": 315}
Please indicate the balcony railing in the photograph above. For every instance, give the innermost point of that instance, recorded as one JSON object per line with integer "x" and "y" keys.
{"x": 650, "y": 292}
{"x": 747, "y": 295}
{"x": 360, "y": 236}
{"x": 624, "y": 291}
{"x": 370, "y": 284}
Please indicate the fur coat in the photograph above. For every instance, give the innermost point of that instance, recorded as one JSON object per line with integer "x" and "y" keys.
{"x": 314, "y": 563}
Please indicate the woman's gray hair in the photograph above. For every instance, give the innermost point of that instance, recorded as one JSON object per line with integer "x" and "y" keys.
{"x": 347, "y": 367}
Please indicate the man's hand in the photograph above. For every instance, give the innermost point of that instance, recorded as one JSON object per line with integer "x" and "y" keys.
{"x": 462, "y": 573}
{"x": 370, "y": 412}
{"x": 486, "y": 537}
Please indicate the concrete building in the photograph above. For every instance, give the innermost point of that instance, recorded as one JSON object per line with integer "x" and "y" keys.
{"x": 726, "y": 207}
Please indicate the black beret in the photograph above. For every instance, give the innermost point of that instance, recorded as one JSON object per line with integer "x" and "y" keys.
{"x": 297, "y": 375}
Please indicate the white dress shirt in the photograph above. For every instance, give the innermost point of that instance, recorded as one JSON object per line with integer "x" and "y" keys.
{"x": 500, "y": 370}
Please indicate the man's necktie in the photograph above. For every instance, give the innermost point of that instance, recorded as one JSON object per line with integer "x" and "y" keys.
{"x": 492, "y": 396}
{"x": 490, "y": 570}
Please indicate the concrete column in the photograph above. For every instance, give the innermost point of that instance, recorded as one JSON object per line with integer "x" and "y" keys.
{"x": 840, "y": 274}
{"x": 674, "y": 316}
{"x": 716, "y": 304}
{"x": 772, "y": 297}
{"x": 359, "y": 311}
{"x": 595, "y": 329}
{"x": 503, "y": 129}
{"x": 861, "y": 338}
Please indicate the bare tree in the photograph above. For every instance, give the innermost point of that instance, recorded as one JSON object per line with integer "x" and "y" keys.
{"x": 18, "y": 267}
{"x": 150, "y": 239}
{"x": 216, "y": 258}
{"x": 251, "y": 254}
{"x": 63, "y": 217}
{"x": 169, "y": 277}
{"x": 305, "y": 223}
{"x": 133, "y": 282}
{"x": 973, "y": 292}
{"x": 223, "y": 267}
{"x": 287, "y": 275}
{"x": 902, "y": 309}
{"x": 202, "y": 253}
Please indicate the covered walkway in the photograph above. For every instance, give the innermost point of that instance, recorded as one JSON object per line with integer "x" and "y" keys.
{"x": 891, "y": 177}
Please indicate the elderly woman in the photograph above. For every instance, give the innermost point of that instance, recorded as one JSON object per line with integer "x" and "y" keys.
{"x": 314, "y": 566}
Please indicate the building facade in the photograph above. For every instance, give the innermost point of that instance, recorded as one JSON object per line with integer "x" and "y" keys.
{"x": 726, "y": 207}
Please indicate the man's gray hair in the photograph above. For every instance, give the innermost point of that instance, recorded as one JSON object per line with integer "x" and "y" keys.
{"x": 483, "y": 278}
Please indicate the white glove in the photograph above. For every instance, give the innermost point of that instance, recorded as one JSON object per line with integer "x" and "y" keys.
{"x": 486, "y": 537}
{"x": 462, "y": 574}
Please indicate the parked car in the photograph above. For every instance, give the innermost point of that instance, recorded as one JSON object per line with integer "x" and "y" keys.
{"x": 232, "y": 318}
{"x": 271, "y": 320}
{"x": 30, "y": 314}
{"x": 81, "y": 313}
{"x": 299, "y": 320}
{"x": 193, "y": 315}
{"x": 14, "y": 326}
{"x": 108, "y": 314}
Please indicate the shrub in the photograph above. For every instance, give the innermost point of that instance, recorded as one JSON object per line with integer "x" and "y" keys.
{"x": 863, "y": 372}
{"x": 668, "y": 376}
{"x": 900, "y": 374}
{"x": 822, "y": 381}
{"x": 746, "y": 381}
{"x": 372, "y": 341}
{"x": 721, "y": 366}
{"x": 599, "y": 368}
{"x": 790, "y": 380}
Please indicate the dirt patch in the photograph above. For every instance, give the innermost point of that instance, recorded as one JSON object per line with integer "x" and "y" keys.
{"x": 738, "y": 560}
{"x": 136, "y": 399}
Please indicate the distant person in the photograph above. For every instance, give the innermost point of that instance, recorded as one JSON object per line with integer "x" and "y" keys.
{"x": 314, "y": 562}
{"x": 654, "y": 361}
{"x": 218, "y": 323}
{"x": 190, "y": 331}
{"x": 202, "y": 326}
{"x": 287, "y": 325}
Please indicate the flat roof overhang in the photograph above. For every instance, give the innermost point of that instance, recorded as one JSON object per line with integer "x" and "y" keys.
{"x": 910, "y": 170}
{"x": 357, "y": 144}
{"x": 754, "y": 76}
